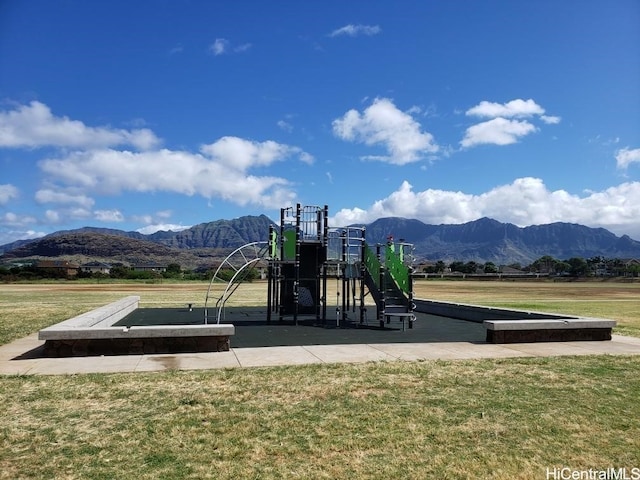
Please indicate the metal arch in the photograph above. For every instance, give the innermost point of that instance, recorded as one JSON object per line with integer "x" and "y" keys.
{"x": 229, "y": 290}
{"x": 258, "y": 254}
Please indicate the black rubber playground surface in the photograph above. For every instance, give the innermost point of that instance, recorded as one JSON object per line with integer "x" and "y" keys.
{"x": 252, "y": 329}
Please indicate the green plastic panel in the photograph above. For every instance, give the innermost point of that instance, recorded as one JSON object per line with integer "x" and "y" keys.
{"x": 373, "y": 265}
{"x": 289, "y": 247}
{"x": 398, "y": 270}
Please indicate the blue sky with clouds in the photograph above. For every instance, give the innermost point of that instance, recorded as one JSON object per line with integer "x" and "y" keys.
{"x": 162, "y": 114}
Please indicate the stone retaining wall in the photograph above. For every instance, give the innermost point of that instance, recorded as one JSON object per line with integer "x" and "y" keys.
{"x": 135, "y": 346}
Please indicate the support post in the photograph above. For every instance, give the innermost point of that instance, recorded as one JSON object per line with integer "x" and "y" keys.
{"x": 325, "y": 254}
{"x": 272, "y": 248}
{"x": 279, "y": 272}
{"x": 345, "y": 285}
{"x": 363, "y": 268}
{"x": 296, "y": 268}
{"x": 381, "y": 309}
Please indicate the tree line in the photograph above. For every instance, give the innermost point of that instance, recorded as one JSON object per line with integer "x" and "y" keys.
{"x": 547, "y": 265}
{"x": 116, "y": 272}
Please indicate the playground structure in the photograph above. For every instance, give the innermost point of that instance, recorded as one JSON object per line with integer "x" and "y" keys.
{"x": 303, "y": 254}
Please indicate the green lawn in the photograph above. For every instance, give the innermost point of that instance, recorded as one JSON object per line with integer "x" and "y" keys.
{"x": 482, "y": 419}
{"x": 512, "y": 418}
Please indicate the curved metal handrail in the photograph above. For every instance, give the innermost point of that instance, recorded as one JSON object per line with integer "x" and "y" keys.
{"x": 259, "y": 254}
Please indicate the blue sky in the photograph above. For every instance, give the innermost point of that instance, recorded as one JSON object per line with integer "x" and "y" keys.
{"x": 152, "y": 115}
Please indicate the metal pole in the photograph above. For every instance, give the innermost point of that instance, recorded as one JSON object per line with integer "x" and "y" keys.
{"x": 279, "y": 269}
{"x": 296, "y": 268}
{"x": 380, "y": 312}
{"x": 363, "y": 247}
{"x": 345, "y": 291}
{"x": 325, "y": 247}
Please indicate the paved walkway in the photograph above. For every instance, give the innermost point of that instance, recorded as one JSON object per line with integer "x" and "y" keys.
{"x": 20, "y": 357}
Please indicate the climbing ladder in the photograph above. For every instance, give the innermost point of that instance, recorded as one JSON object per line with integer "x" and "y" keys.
{"x": 240, "y": 262}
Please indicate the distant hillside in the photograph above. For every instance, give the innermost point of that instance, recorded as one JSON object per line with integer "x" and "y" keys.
{"x": 197, "y": 247}
{"x": 218, "y": 234}
{"x": 486, "y": 240}
{"x": 481, "y": 241}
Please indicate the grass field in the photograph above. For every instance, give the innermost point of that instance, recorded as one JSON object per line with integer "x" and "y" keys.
{"x": 512, "y": 418}
{"x": 618, "y": 301}
{"x": 26, "y": 308}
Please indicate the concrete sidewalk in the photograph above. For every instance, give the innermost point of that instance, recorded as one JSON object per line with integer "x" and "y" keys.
{"x": 22, "y": 356}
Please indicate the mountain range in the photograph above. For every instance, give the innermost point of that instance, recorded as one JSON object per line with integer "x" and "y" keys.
{"x": 481, "y": 240}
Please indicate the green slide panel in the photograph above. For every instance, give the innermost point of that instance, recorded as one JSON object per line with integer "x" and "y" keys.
{"x": 397, "y": 269}
{"x": 373, "y": 265}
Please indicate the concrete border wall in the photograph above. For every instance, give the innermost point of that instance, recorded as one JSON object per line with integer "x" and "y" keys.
{"x": 479, "y": 313}
{"x": 505, "y": 325}
{"x": 92, "y": 333}
{"x": 104, "y": 316}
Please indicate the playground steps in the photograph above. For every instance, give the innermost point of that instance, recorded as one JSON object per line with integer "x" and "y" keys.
{"x": 390, "y": 301}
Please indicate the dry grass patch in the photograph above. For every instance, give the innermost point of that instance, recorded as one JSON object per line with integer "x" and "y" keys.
{"x": 483, "y": 419}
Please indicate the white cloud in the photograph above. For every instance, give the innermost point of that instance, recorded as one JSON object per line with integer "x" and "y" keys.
{"x": 356, "y": 30}
{"x": 526, "y": 201}
{"x": 306, "y": 158}
{"x": 515, "y": 108}
{"x": 498, "y": 131}
{"x": 7, "y": 193}
{"x": 52, "y": 216}
{"x": 221, "y": 169}
{"x": 35, "y": 126}
{"x": 164, "y": 214}
{"x": 157, "y": 222}
{"x": 220, "y": 46}
{"x": 149, "y": 229}
{"x": 382, "y": 123}
{"x": 108, "y": 215}
{"x": 179, "y": 48}
{"x": 550, "y": 119}
{"x": 242, "y": 48}
{"x": 241, "y": 154}
{"x": 17, "y": 227}
{"x": 286, "y": 126}
{"x": 8, "y": 235}
{"x": 63, "y": 214}
{"x": 626, "y": 156}
{"x": 503, "y": 129}
{"x": 15, "y": 220}
{"x": 61, "y": 197}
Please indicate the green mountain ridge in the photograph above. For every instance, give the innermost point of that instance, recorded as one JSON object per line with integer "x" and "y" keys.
{"x": 206, "y": 244}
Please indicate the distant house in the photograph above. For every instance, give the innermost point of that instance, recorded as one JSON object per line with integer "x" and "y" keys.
{"x": 632, "y": 267}
{"x": 96, "y": 267}
{"x": 507, "y": 270}
{"x": 58, "y": 267}
{"x": 150, "y": 267}
{"x": 618, "y": 267}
